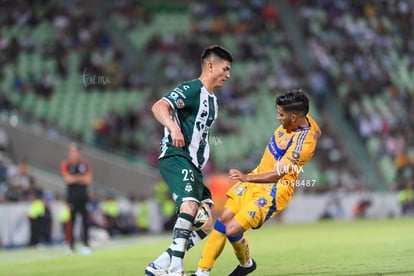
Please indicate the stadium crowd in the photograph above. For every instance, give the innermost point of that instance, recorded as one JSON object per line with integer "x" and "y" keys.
{"x": 216, "y": 19}
{"x": 344, "y": 63}
{"x": 361, "y": 46}
{"x": 76, "y": 30}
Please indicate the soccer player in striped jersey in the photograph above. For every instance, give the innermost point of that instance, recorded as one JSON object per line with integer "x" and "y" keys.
{"x": 188, "y": 112}
{"x": 267, "y": 190}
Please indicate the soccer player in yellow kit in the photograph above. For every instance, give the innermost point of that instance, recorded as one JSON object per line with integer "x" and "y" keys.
{"x": 267, "y": 190}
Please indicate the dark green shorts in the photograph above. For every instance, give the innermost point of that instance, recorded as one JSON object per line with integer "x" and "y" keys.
{"x": 184, "y": 180}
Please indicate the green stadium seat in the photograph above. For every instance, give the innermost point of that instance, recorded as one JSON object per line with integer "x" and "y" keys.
{"x": 373, "y": 144}
{"x": 387, "y": 168}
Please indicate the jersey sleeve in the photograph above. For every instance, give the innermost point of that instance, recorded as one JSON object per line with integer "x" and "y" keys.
{"x": 88, "y": 167}
{"x": 301, "y": 150}
{"x": 64, "y": 167}
{"x": 178, "y": 98}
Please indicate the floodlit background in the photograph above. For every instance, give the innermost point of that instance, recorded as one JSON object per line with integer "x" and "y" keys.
{"x": 89, "y": 71}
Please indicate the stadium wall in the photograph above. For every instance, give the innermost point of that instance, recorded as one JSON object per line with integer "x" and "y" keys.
{"x": 15, "y": 225}
{"x": 342, "y": 206}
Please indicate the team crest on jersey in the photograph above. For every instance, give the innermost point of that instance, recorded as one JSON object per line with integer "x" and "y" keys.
{"x": 261, "y": 202}
{"x": 180, "y": 103}
{"x": 188, "y": 188}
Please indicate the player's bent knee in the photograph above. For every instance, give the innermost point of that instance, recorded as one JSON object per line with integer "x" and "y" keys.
{"x": 233, "y": 228}
{"x": 226, "y": 216}
{"x": 189, "y": 207}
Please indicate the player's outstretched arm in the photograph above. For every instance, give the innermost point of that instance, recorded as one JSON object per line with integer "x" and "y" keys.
{"x": 280, "y": 170}
{"x": 161, "y": 110}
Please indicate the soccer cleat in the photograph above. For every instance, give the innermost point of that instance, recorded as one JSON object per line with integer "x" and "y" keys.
{"x": 86, "y": 250}
{"x": 155, "y": 270}
{"x": 242, "y": 271}
{"x": 69, "y": 251}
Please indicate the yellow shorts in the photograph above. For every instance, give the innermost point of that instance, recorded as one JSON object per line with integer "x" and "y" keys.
{"x": 253, "y": 204}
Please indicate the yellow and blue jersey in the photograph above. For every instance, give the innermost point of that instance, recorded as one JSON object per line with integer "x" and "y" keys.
{"x": 254, "y": 203}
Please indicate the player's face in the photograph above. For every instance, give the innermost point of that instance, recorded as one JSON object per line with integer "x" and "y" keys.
{"x": 220, "y": 71}
{"x": 285, "y": 118}
{"x": 74, "y": 155}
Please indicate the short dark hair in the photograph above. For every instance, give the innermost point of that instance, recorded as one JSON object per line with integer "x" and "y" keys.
{"x": 216, "y": 50}
{"x": 294, "y": 101}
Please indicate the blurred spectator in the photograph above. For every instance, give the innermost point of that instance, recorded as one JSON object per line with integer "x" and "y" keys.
{"x": 165, "y": 203}
{"x": 19, "y": 85}
{"x": 96, "y": 216}
{"x": 126, "y": 221}
{"x": 406, "y": 198}
{"x": 44, "y": 87}
{"x": 142, "y": 215}
{"x": 3, "y": 176}
{"x": 64, "y": 218}
{"x": 38, "y": 220}
{"x": 361, "y": 207}
{"x": 22, "y": 179}
{"x": 111, "y": 213}
{"x": 4, "y": 137}
{"x": 333, "y": 209}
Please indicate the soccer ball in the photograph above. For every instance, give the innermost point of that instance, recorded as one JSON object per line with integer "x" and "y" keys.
{"x": 200, "y": 218}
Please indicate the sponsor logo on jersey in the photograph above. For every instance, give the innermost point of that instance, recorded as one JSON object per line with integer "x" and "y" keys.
{"x": 180, "y": 103}
{"x": 241, "y": 190}
{"x": 252, "y": 214}
{"x": 188, "y": 188}
{"x": 261, "y": 202}
{"x": 179, "y": 91}
{"x": 173, "y": 96}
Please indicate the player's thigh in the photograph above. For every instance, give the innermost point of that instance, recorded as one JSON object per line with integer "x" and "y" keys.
{"x": 255, "y": 211}
{"x": 235, "y": 196}
{"x": 183, "y": 179}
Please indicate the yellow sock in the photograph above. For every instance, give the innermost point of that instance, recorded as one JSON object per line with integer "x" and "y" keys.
{"x": 240, "y": 248}
{"x": 213, "y": 247}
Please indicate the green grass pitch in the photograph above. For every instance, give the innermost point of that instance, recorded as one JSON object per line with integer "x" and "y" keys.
{"x": 365, "y": 247}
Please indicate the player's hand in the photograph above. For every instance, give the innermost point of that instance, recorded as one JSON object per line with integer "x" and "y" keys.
{"x": 177, "y": 138}
{"x": 237, "y": 175}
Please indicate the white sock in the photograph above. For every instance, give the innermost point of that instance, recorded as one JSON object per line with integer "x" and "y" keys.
{"x": 201, "y": 272}
{"x": 248, "y": 264}
{"x": 181, "y": 233}
{"x": 164, "y": 259}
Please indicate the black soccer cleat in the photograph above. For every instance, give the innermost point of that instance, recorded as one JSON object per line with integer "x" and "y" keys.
{"x": 242, "y": 271}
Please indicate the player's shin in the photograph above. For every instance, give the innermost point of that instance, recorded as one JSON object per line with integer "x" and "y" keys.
{"x": 195, "y": 237}
{"x": 181, "y": 232}
{"x": 213, "y": 247}
{"x": 240, "y": 248}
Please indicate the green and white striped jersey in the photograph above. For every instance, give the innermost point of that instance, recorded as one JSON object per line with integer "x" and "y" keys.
{"x": 194, "y": 110}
